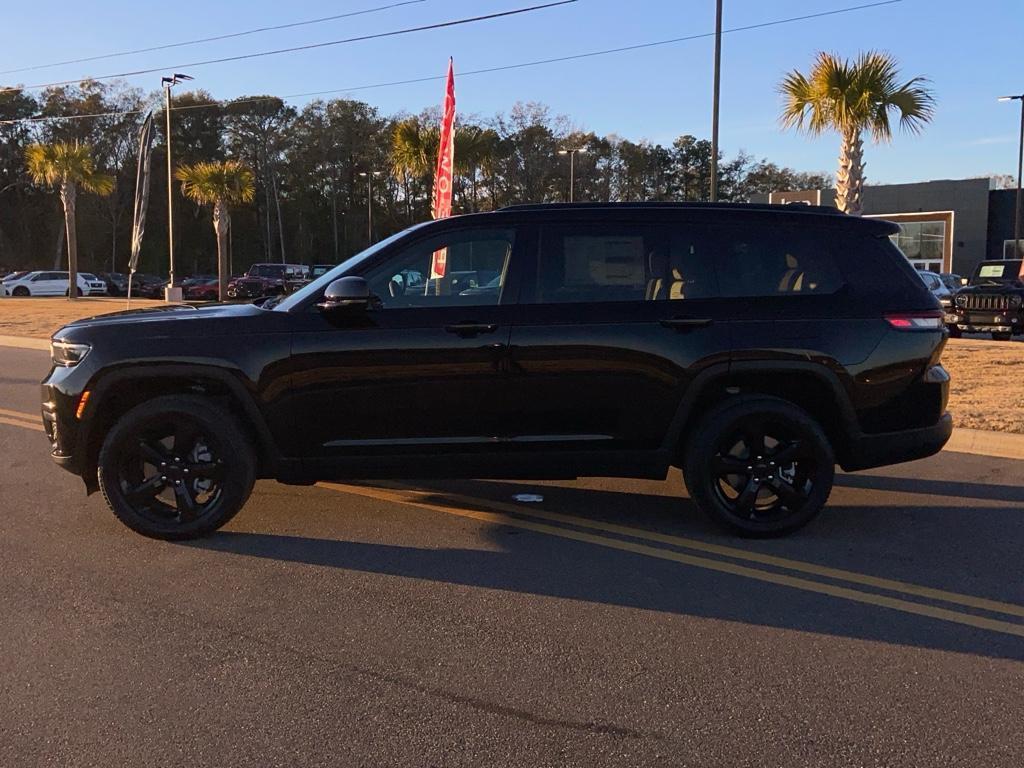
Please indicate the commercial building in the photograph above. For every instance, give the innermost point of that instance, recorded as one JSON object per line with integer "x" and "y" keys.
{"x": 945, "y": 226}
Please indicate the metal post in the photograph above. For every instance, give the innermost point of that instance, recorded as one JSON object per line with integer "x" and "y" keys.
{"x": 572, "y": 175}
{"x": 170, "y": 184}
{"x": 369, "y": 208}
{"x": 1020, "y": 167}
{"x": 714, "y": 101}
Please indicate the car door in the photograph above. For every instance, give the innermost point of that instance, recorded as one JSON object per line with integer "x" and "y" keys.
{"x": 47, "y": 284}
{"x": 616, "y": 319}
{"x": 426, "y": 370}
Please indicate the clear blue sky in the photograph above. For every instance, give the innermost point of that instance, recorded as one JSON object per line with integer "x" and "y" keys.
{"x": 971, "y": 52}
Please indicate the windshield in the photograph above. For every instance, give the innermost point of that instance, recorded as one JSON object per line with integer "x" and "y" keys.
{"x": 998, "y": 273}
{"x": 318, "y": 285}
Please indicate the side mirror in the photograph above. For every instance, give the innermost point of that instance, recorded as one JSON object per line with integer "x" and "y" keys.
{"x": 350, "y": 292}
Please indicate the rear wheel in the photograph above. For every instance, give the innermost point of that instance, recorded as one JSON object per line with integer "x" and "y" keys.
{"x": 176, "y": 467}
{"x": 759, "y": 465}
{"x": 21, "y": 291}
{"x": 1002, "y": 335}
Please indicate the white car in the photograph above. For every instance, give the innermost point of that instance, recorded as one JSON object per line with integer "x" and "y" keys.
{"x": 42, "y": 283}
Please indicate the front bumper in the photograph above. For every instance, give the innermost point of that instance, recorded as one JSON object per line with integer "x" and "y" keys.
{"x": 970, "y": 321}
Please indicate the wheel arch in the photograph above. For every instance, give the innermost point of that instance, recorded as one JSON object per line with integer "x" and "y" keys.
{"x": 117, "y": 392}
{"x": 810, "y": 386}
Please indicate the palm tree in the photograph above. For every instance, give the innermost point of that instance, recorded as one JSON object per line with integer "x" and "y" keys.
{"x": 220, "y": 184}
{"x": 68, "y": 167}
{"x": 851, "y": 98}
{"x": 413, "y": 153}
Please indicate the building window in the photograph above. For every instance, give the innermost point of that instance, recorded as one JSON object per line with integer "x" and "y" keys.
{"x": 1008, "y": 249}
{"x": 922, "y": 242}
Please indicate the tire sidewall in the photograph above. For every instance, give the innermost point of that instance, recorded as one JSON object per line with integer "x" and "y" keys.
{"x": 700, "y": 481}
{"x": 237, "y": 453}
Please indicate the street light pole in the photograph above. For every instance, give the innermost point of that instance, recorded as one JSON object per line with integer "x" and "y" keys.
{"x": 572, "y": 168}
{"x": 369, "y": 203}
{"x": 170, "y": 292}
{"x": 714, "y": 101}
{"x": 1020, "y": 167}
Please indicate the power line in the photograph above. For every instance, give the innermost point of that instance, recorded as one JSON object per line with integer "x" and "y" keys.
{"x": 311, "y": 46}
{"x": 213, "y": 39}
{"x": 486, "y": 70}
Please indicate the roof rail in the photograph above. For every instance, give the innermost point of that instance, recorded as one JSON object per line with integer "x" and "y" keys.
{"x": 793, "y": 207}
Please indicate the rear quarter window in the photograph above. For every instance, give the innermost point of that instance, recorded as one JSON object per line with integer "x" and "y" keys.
{"x": 771, "y": 260}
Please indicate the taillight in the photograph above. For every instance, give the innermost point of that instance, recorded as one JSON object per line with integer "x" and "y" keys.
{"x": 916, "y": 321}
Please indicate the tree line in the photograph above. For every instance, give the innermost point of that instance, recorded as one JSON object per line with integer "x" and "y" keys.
{"x": 317, "y": 170}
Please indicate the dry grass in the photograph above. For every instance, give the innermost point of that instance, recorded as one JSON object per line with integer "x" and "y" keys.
{"x": 40, "y": 317}
{"x": 988, "y": 376}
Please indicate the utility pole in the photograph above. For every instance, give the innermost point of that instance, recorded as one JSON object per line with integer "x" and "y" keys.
{"x": 714, "y": 101}
{"x": 171, "y": 293}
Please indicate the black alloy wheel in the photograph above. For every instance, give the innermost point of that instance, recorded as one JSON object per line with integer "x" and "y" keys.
{"x": 176, "y": 467}
{"x": 21, "y": 291}
{"x": 759, "y": 465}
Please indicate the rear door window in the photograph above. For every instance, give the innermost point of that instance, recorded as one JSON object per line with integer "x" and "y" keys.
{"x": 767, "y": 261}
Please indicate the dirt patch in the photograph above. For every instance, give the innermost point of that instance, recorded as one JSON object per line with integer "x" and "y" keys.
{"x": 988, "y": 384}
{"x": 988, "y": 376}
{"x": 40, "y": 317}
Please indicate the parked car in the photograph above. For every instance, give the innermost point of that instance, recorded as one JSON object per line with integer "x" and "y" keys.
{"x": 952, "y": 280}
{"x": 754, "y": 346}
{"x": 12, "y": 276}
{"x": 993, "y": 300}
{"x": 206, "y": 289}
{"x": 117, "y": 283}
{"x": 268, "y": 280}
{"x": 320, "y": 269}
{"x": 150, "y": 289}
{"x": 52, "y": 283}
{"x": 942, "y": 292}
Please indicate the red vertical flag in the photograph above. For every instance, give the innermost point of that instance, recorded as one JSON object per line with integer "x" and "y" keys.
{"x": 442, "y": 203}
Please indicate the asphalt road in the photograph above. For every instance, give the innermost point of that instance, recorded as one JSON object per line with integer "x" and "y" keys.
{"x": 448, "y": 624}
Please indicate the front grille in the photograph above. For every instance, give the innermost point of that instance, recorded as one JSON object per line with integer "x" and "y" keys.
{"x": 981, "y": 301}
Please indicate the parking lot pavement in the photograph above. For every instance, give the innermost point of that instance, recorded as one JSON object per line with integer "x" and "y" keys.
{"x": 448, "y": 624}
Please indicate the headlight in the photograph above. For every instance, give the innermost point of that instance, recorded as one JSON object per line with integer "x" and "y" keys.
{"x": 67, "y": 354}
{"x": 961, "y": 301}
{"x": 1015, "y": 301}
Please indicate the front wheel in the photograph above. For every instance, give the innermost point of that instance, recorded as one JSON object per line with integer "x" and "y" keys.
{"x": 21, "y": 291}
{"x": 760, "y": 466}
{"x": 1002, "y": 335}
{"x": 176, "y": 467}
{"x": 78, "y": 292}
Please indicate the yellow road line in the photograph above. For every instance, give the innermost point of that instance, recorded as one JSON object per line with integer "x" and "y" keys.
{"x": 756, "y": 557}
{"x": 20, "y": 423}
{"x": 846, "y": 593}
{"x": 19, "y": 414}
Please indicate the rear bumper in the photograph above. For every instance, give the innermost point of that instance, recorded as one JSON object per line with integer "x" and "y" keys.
{"x": 878, "y": 450}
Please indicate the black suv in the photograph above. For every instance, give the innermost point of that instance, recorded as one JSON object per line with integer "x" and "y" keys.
{"x": 993, "y": 301}
{"x": 753, "y": 346}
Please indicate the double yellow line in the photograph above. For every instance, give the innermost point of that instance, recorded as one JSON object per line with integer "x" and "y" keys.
{"x": 20, "y": 419}
{"x": 630, "y": 539}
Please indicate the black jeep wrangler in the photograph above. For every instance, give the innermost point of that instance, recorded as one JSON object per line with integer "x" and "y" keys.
{"x": 993, "y": 300}
{"x": 753, "y": 346}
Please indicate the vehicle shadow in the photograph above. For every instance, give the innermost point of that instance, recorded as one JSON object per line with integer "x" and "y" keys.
{"x": 862, "y": 539}
{"x": 953, "y": 488}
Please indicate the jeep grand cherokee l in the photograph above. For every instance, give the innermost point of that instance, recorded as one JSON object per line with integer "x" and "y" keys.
{"x": 753, "y": 346}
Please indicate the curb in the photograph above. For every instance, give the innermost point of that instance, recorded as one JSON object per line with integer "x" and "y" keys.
{"x": 1004, "y": 445}
{"x": 25, "y": 342}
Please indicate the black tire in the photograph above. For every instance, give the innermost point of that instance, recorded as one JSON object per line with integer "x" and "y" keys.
{"x": 760, "y": 496}
{"x": 21, "y": 291}
{"x": 186, "y": 461}
{"x": 954, "y": 332}
{"x": 1002, "y": 335}
{"x": 78, "y": 292}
